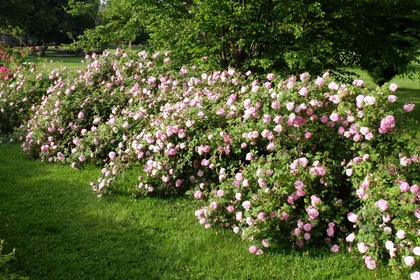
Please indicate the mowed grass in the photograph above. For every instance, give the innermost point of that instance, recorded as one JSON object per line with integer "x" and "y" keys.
{"x": 62, "y": 230}
{"x": 70, "y": 62}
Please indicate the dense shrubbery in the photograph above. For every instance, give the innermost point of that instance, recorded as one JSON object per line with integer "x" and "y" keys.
{"x": 304, "y": 159}
{"x": 21, "y": 85}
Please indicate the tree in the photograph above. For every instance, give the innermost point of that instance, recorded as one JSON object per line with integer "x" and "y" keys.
{"x": 385, "y": 39}
{"x": 84, "y": 14}
{"x": 49, "y": 21}
{"x": 119, "y": 23}
{"x": 285, "y": 36}
{"x": 14, "y": 14}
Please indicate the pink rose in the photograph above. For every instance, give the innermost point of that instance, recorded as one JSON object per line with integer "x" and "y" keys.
{"x": 392, "y": 98}
{"x": 382, "y": 205}
{"x": 265, "y": 243}
{"x": 351, "y": 237}
{"x": 409, "y": 107}
{"x": 253, "y": 249}
{"x": 247, "y": 205}
{"x": 352, "y": 217}
{"x": 334, "y": 248}
{"x": 213, "y": 205}
{"x": 362, "y": 247}
{"x": 393, "y": 87}
{"x": 409, "y": 260}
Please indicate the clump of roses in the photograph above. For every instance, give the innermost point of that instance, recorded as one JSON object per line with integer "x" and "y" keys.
{"x": 305, "y": 159}
{"x": 21, "y": 87}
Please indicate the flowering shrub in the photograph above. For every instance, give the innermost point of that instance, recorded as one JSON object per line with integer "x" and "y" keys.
{"x": 18, "y": 90}
{"x": 308, "y": 160}
{"x": 11, "y": 57}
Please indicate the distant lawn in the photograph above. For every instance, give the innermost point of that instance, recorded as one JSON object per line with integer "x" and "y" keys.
{"x": 71, "y": 62}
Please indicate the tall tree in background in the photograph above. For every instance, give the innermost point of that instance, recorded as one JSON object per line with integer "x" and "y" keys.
{"x": 286, "y": 36}
{"x": 48, "y": 20}
{"x": 14, "y": 14}
{"x": 119, "y": 23}
{"x": 387, "y": 37}
{"x": 83, "y": 15}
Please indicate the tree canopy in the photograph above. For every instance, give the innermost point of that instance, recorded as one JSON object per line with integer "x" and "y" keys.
{"x": 50, "y": 21}
{"x": 285, "y": 36}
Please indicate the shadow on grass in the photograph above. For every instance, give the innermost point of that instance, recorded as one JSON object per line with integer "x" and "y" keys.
{"x": 61, "y": 230}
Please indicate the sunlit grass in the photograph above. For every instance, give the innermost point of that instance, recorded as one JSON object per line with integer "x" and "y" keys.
{"x": 70, "y": 62}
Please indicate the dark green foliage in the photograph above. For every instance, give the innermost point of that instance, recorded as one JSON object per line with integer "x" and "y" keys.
{"x": 52, "y": 21}
{"x": 283, "y": 36}
{"x": 387, "y": 40}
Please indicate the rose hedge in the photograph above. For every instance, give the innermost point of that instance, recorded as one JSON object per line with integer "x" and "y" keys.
{"x": 308, "y": 160}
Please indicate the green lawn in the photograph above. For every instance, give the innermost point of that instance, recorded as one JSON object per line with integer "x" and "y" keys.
{"x": 71, "y": 62}
{"x": 62, "y": 230}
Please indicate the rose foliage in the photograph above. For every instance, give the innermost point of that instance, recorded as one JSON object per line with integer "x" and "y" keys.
{"x": 301, "y": 159}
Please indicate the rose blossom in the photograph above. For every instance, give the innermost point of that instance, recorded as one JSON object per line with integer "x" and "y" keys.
{"x": 415, "y": 276}
{"x": 197, "y": 194}
{"x": 236, "y": 229}
{"x": 370, "y": 263}
{"x": 393, "y": 87}
{"x": 409, "y": 107}
{"x": 253, "y": 249}
{"x": 382, "y": 205}
{"x": 392, "y": 98}
{"x": 409, "y": 260}
{"x": 417, "y": 213}
{"x": 389, "y": 245}
{"x": 319, "y": 81}
{"x": 213, "y": 205}
{"x": 334, "y": 248}
{"x": 352, "y": 217}
{"x": 362, "y": 247}
{"x": 265, "y": 243}
{"x": 350, "y": 237}
{"x": 307, "y": 227}
{"x": 400, "y": 234}
{"x": 387, "y": 230}
{"x": 247, "y": 205}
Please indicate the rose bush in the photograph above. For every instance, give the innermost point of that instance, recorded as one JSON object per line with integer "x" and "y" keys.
{"x": 305, "y": 159}
{"x": 21, "y": 86}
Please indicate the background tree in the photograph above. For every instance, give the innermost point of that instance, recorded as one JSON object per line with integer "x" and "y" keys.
{"x": 49, "y": 21}
{"x": 384, "y": 37}
{"x": 285, "y": 36}
{"x": 119, "y": 23}
{"x": 14, "y": 14}
{"x": 84, "y": 15}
